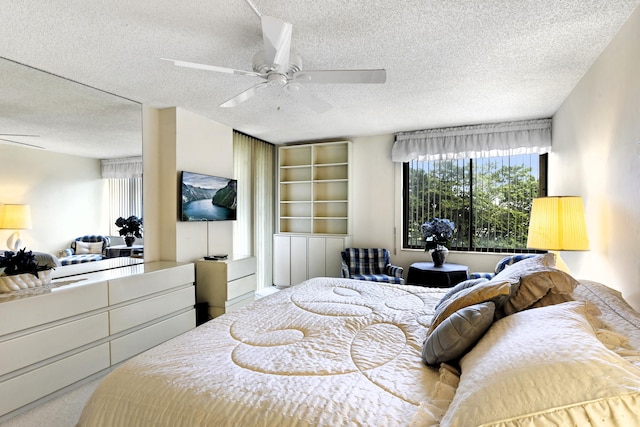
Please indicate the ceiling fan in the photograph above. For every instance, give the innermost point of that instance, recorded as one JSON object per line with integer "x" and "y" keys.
{"x": 278, "y": 66}
{"x": 14, "y": 135}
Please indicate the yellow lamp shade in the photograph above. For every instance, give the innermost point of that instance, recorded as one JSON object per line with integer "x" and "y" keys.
{"x": 558, "y": 224}
{"x": 16, "y": 217}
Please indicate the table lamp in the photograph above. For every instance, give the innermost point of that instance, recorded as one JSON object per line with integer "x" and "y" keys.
{"x": 15, "y": 217}
{"x": 558, "y": 224}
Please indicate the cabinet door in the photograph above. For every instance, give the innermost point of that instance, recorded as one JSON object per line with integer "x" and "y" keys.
{"x": 333, "y": 264}
{"x": 298, "y": 261}
{"x": 317, "y": 257}
{"x": 281, "y": 260}
{"x": 324, "y": 256}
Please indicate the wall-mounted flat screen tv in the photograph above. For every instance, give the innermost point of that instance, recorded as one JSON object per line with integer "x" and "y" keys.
{"x": 207, "y": 198}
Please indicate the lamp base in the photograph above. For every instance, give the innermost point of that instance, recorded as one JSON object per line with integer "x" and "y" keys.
{"x": 14, "y": 241}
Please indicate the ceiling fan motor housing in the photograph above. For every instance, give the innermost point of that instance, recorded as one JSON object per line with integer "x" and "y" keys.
{"x": 260, "y": 64}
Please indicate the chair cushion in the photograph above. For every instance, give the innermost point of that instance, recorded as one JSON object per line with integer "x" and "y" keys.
{"x": 377, "y": 278}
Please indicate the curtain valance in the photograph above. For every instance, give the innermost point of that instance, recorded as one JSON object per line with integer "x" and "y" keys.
{"x": 125, "y": 167}
{"x": 487, "y": 140}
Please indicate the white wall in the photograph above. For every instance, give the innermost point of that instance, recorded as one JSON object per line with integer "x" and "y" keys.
{"x": 67, "y": 196}
{"x": 596, "y": 136}
{"x": 179, "y": 140}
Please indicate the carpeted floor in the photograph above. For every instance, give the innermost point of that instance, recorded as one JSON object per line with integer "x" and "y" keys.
{"x": 62, "y": 411}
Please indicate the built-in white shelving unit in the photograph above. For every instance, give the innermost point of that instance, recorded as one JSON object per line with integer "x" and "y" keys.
{"x": 313, "y": 201}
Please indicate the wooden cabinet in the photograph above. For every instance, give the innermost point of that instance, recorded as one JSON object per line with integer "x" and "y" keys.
{"x": 54, "y": 337}
{"x": 226, "y": 285}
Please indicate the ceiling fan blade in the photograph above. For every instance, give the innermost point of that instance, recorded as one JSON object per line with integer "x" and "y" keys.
{"x": 307, "y": 98}
{"x": 341, "y": 76}
{"x": 213, "y": 68}
{"x": 22, "y": 143}
{"x": 276, "y": 36}
{"x": 243, "y": 96}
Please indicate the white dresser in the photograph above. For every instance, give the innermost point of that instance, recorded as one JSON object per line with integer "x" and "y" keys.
{"x": 53, "y": 337}
{"x": 226, "y": 285}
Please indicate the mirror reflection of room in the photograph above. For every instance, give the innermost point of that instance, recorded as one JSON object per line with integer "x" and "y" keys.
{"x": 72, "y": 154}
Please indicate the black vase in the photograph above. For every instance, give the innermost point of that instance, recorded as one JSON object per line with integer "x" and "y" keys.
{"x": 439, "y": 256}
{"x": 128, "y": 240}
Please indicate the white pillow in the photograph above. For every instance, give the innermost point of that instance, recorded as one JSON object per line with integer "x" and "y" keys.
{"x": 545, "y": 366}
{"x": 88, "y": 248}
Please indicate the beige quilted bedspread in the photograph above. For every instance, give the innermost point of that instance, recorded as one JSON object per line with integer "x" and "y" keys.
{"x": 326, "y": 352}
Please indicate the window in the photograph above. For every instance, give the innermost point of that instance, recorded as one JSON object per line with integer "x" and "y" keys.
{"x": 125, "y": 199}
{"x": 489, "y": 199}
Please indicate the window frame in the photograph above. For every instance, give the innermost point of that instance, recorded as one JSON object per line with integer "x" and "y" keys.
{"x": 542, "y": 192}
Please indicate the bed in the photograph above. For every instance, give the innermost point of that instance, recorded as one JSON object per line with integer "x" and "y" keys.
{"x": 337, "y": 352}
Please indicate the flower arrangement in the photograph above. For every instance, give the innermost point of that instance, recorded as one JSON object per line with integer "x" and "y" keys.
{"x": 437, "y": 232}
{"x": 131, "y": 226}
{"x": 21, "y": 262}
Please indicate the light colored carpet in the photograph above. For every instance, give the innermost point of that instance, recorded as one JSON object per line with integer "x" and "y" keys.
{"x": 61, "y": 411}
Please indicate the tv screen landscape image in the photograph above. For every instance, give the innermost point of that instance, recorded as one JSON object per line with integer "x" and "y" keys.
{"x": 207, "y": 198}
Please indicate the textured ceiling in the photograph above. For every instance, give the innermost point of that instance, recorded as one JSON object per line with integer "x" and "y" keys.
{"x": 448, "y": 62}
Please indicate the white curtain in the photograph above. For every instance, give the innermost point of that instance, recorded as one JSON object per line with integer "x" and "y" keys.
{"x": 254, "y": 168}
{"x": 487, "y": 140}
{"x": 125, "y": 167}
{"x": 125, "y": 199}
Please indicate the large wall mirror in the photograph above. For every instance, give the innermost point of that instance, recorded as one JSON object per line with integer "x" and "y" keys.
{"x": 54, "y": 134}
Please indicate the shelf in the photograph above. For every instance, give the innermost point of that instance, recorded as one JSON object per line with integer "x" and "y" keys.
{"x": 295, "y": 156}
{"x": 295, "y": 174}
{"x": 331, "y": 153}
{"x": 330, "y": 226}
{"x": 295, "y": 210}
{"x": 298, "y": 191}
{"x": 314, "y": 188}
{"x": 331, "y": 210}
{"x": 333, "y": 190}
{"x": 295, "y": 225}
{"x": 331, "y": 172}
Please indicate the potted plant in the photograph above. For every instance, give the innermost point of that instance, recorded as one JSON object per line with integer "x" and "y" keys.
{"x": 19, "y": 270}
{"x": 436, "y": 234}
{"x": 130, "y": 228}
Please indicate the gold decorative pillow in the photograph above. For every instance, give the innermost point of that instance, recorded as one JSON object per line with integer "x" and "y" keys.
{"x": 538, "y": 285}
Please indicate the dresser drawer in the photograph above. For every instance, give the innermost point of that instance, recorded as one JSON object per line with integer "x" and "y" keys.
{"x": 33, "y": 385}
{"x": 136, "y": 286}
{"x": 241, "y": 267}
{"x": 132, "y": 315}
{"x": 37, "y": 346}
{"x": 50, "y": 307}
{"x": 136, "y": 342}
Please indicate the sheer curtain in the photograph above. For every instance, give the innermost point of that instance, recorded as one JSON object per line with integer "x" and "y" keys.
{"x": 254, "y": 168}
{"x": 124, "y": 177}
{"x": 487, "y": 140}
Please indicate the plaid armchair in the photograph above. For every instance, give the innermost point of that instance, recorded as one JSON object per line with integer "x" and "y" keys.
{"x": 370, "y": 264}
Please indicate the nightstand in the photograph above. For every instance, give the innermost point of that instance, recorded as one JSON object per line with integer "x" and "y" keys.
{"x": 425, "y": 274}
{"x": 226, "y": 285}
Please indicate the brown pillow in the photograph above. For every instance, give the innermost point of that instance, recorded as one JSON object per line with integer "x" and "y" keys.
{"x": 536, "y": 285}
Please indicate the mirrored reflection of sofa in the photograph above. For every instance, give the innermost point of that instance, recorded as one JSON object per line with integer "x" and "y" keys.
{"x": 87, "y": 248}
